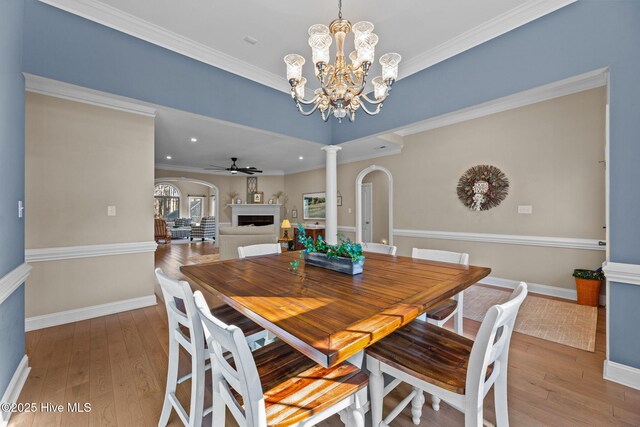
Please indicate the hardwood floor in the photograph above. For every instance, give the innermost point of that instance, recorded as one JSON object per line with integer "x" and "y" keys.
{"x": 118, "y": 364}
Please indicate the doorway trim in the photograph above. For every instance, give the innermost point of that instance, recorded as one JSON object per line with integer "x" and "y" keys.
{"x": 359, "y": 179}
{"x": 216, "y": 193}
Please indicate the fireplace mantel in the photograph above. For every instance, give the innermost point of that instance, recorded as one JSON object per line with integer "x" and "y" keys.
{"x": 255, "y": 209}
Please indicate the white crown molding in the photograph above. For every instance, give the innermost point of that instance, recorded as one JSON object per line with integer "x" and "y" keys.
{"x": 88, "y": 251}
{"x": 178, "y": 168}
{"x": 536, "y": 288}
{"x": 139, "y": 28}
{"x": 579, "y": 83}
{"x": 45, "y": 86}
{"x": 622, "y": 273}
{"x": 144, "y": 30}
{"x": 491, "y": 29}
{"x": 10, "y": 281}
{"x": 76, "y": 315}
{"x": 14, "y": 388}
{"x": 622, "y": 374}
{"x": 548, "y": 242}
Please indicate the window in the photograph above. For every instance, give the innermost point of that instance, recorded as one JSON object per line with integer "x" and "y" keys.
{"x": 167, "y": 201}
{"x": 196, "y": 204}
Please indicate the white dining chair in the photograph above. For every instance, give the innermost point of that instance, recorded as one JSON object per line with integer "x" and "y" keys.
{"x": 181, "y": 311}
{"x": 260, "y": 249}
{"x": 276, "y": 385}
{"x": 453, "y": 307}
{"x": 448, "y": 366}
{"x": 379, "y": 248}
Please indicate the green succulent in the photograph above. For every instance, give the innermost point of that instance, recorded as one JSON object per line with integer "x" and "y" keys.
{"x": 346, "y": 248}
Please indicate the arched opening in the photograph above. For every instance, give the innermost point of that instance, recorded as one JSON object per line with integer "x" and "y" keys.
{"x": 213, "y": 203}
{"x": 359, "y": 202}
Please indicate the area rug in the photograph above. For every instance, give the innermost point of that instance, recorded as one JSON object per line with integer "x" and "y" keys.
{"x": 561, "y": 322}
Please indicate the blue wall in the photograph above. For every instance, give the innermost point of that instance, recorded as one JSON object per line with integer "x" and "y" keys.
{"x": 12, "y": 348}
{"x": 71, "y": 49}
{"x": 581, "y": 37}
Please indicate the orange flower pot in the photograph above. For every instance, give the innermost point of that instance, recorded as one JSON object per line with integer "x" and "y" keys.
{"x": 588, "y": 291}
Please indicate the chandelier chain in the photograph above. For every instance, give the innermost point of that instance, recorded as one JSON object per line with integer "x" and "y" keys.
{"x": 339, "y": 9}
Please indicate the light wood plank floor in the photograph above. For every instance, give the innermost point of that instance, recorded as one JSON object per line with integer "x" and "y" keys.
{"x": 118, "y": 364}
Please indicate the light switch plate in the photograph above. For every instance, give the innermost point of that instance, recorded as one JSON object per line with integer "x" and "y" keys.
{"x": 525, "y": 209}
{"x": 111, "y": 211}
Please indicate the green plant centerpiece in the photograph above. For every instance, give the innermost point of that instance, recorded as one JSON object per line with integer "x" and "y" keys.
{"x": 345, "y": 257}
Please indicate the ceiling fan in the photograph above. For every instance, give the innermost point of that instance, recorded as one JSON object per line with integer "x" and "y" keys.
{"x": 234, "y": 169}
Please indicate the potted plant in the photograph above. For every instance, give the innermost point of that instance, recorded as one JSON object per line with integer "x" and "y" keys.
{"x": 588, "y": 285}
{"x": 345, "y": 257}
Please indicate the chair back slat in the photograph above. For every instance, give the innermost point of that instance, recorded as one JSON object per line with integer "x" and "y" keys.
{"x": 260, "y": 249}
{"x": 181, "y": 310}
{"x": 379, "y": 248}
{"x": 441, "y": 256}
{"x": 492, "y": 344}
{"x": 228, "y": 342}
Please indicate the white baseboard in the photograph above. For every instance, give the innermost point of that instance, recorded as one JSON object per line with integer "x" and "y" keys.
{"x": 622, "y": 374}
{"x": 14, "y": 388}
{"x": 536, "y": 288}
{"x": 69, "y": 316}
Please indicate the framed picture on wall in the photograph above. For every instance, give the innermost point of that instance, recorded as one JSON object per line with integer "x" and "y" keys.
{"x": 258, "y": 197}
{"x": 313, "y": 206}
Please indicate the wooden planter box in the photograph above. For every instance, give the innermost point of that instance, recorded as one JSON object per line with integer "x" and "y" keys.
{"x": 341, "y": 265}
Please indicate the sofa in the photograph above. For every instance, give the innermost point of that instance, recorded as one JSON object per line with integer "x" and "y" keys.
{"x": 233, "y": 237}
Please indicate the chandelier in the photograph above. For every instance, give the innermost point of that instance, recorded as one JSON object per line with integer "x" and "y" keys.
{"x": 341, "y": 84}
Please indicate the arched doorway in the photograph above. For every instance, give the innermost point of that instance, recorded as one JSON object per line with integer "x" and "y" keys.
{"x": 359, "y": 207}
{"x": 216, "y": 194}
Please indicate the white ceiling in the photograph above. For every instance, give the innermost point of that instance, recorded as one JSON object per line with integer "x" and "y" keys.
{"x": 275, "y": 154}
{"x": 213, "y": 31}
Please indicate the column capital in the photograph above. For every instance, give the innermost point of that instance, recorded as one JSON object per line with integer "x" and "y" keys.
{"x": 331, "y": 148}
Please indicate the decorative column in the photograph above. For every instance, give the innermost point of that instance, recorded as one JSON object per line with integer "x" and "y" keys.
{"x": 331, "y": 195}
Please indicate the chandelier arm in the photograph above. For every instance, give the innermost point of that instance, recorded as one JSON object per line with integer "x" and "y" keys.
{"x": 304, "y": 102}
{"x": 371, "y": 113}
{"x": 306, "y": 113}
{"x": 373, "y": 101}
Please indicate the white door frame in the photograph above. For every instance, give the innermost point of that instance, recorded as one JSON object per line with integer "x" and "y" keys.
{"x": 216, "y": 193}
{"x": 359, "y": 179}
{"x": 367, "y": 207}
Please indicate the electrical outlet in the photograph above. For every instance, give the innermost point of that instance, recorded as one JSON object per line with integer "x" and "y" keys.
{"x": 111, "y": 211}
{"x": 349, "y": 210}
{"x": 525, "y": 209}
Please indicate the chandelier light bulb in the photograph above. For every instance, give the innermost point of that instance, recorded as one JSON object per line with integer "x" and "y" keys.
{"x": 294, "y": 66}
{"x": 389, "y": 62}
{"x": 362, "y": 27}
{"x": 379, "y": 87}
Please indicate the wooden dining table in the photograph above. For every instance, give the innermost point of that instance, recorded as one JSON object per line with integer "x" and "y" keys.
{"x": 330, "y": 316}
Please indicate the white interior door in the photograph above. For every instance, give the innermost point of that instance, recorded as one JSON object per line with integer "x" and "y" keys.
{"x": 367, "y": 199}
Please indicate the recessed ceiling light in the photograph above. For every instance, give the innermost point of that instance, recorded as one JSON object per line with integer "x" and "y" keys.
{"x": 169, "y": 157}
{"x": 300, "y": 158}
{"x": 250, "y": 40}
{"x": 194, "y": 139}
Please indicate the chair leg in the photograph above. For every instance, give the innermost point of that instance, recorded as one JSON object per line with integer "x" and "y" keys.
{"x": 218, "y": 414}
{"x": 197, "y": 392}
{"x": 457, "y": 317}
{"x": 435, "y": 402}
{"x": 376, "y": 391}
{"x": 416, "y": 405}
{"x": 172, "y": 380}
{"x": 500, "y": 399}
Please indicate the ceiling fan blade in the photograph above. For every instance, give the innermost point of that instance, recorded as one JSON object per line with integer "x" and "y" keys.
{"x": 245, "y": 171}
{"x": 253, "y": 170}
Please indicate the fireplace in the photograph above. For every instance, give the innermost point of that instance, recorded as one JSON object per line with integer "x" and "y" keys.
{"x": 256, "y": 214}
{"x": 255, "y": 219}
